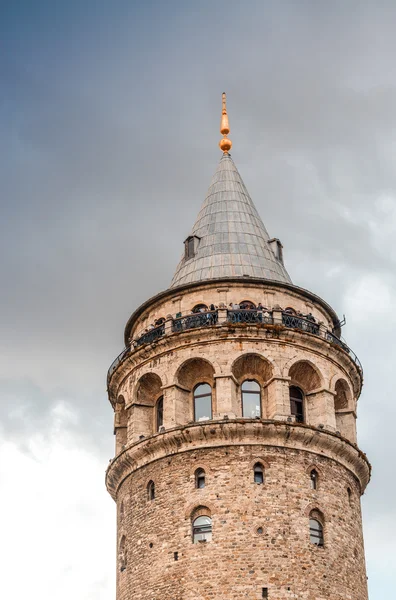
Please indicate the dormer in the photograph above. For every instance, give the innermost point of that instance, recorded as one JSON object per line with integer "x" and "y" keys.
{"x": 191, "y": 246}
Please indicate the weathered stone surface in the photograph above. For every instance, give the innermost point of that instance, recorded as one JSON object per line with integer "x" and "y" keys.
{"x": 239, "y": 562}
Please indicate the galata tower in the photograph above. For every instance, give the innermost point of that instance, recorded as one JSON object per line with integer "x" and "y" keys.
{"x": 236, "y": 472}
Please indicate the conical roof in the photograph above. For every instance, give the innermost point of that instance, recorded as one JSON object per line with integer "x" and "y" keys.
{"x": 231, "y": 240}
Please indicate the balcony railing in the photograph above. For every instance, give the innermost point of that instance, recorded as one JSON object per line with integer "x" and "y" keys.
{"x": 296, "y": 322}
{"x": 150, "y": 336}
{"x": 248, "y": 316}
{"x": 195, "y": 320}
{"x": 252, "y": 317}
{"x": 330, "y": 337}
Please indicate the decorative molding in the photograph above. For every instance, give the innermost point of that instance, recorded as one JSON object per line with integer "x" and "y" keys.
{"x": 237, "y": 432}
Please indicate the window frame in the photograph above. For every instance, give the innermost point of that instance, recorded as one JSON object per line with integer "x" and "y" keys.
{"x": 151, "y": 491}
{"x": 252, "y": 392}
{"x": 299, "y": 418}
{"x": 197, "y": 396}
{"x": 258, "y": 468}
{"x": 202, "y": 529}
{"x": 199, "y": 477}
{"x": 314, "y": 478}
{"x": 316, "y": 533}
{"x": 159, "y": 409}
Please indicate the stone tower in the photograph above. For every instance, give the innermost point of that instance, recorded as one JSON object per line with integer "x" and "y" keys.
{"x": 236, "y": 473}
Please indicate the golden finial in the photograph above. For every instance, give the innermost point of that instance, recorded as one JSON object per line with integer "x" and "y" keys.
{"x": 225, "y": 144}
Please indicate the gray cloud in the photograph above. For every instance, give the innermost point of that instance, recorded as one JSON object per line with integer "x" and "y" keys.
{"x": 109, "y": 126}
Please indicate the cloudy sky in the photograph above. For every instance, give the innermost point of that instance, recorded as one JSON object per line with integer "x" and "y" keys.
{"x": 109, "y": 117}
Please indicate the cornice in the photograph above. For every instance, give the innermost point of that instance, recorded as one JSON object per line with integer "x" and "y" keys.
{"x": 237, "y": 432}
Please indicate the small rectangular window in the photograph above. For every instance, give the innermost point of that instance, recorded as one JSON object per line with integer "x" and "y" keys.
{"x": 264, "y": 593}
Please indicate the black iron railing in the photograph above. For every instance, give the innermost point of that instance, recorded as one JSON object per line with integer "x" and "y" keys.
{"x": 116, "y": 362}
{"x": 195, "y": 320}
{"x": 254, "y": 316}
{"x": 330, "y": 337}
{"x": 248, "y": 316}
{"x": 150, "y": 336}
{"x": 296, "y": 322}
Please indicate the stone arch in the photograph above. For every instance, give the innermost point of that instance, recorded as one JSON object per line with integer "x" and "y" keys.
{"x": 247, "y": 304}
{"x": 193, "y": 509}
{"x": 305, "y": 375}
{"x": 148, "y": 389}
{"x": 252, "y": 366}
{"x": 343, "y": 395}
{"x": 313, "y": 507}
{"x": 345, "y": 417}
{"x": 193, "y": 371}
{"x": 121, "y": 416}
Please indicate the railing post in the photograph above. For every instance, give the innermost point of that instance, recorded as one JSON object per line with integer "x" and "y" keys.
{"x": 168, "y": 325}
{"x": 277, "y": 315}
{"x": 221, "y": 315}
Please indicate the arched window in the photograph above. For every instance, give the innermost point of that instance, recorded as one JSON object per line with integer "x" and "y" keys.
{"x": 200, "y": 479}
{"x": 247, "y": 305}
{"x": 150, "y": 491}
{"x": 297, "y": 403}
{"x": 159, "y": 409}
{"x": 315, "y": 529}
{"x": 202, "y": 529}
{"x": 202, "y": 402}
{"x": 251, "y": 399}
{"x": 349, "y": 496}
{"x": 122, "y": 554}
{"x": 258, "y": 473}
{"x": 199, "y": 308}
{"x": 314, "y": 479}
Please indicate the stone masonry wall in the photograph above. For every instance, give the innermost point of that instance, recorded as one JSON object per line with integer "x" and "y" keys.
{"x": 239, "y": 561}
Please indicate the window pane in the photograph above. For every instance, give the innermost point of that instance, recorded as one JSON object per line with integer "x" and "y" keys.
{"x": 202, "y": 389}
{"x": 251, "y": 385}
{"x": 202, "y": 521}
{"x": 160, "y": 413}
{"x": 203, "y": 408}
{"x": 315, "y": 532}
{"x": 251, "y": 405}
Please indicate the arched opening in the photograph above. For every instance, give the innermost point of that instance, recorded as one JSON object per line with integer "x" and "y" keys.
{"x": 296, "y": 403}
{"x": 199, "y": 308}
{"x": 314, "y": 477}
{"x": 316, "y": 528}
{"x": 258, "y": 473}
{"x": 195, "y": 402}
{"x": 252, "y": 366}
{"x": 159, "y": 413}
{"x": 159, "y": 321}
{"x": 120, "y": 423}
{"x": 201, "y": 525}
{"x": 305, "y": 376}
{"x": 344, "y": 414}
{"x": 251, "y": 399}
{"x": 150, "y": 491}
{"x": 349, "y": 492}
{"x": 200, "y": 479}
{"x": 342, "y": 396}
{"x": 202, "y": 402}
{"x": 290, "y": 311}
{"x": 148, "y": 389}
{"x": 122, "y": 554}
{"x": 247, "y": 305}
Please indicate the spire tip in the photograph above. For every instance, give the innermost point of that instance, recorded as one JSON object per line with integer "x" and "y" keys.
{"x": 225, "y": 144}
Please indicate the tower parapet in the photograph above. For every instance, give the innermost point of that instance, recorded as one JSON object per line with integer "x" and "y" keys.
{"x": 237, "y": 473}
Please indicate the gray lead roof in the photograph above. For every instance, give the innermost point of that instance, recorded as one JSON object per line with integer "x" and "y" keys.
{"x": 233, "y": 241}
